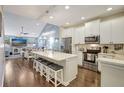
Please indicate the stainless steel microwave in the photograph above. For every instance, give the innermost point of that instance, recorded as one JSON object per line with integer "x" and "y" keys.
{"x": 92, "y": 39}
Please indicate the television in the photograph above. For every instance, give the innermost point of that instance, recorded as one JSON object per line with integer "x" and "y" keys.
{"x": 19, "y": 42}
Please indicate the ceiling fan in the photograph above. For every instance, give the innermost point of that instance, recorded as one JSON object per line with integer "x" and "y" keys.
{"x": 22, "y": 32}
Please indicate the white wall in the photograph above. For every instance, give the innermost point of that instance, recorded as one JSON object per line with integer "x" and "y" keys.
{"x": 14, "y": 22}
{"x": 1, "y": 51}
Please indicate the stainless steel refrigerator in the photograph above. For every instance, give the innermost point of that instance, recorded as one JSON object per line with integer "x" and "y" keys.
{"x": 66, "y": 45}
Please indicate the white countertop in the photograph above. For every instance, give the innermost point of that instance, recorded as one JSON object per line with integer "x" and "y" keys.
{"x": 58, "y": 56}
{"x": 111, "y": 61}
{"x": 112, "y": 56}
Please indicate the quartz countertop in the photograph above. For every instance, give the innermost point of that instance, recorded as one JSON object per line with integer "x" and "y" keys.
{"x": 111, "y": 56}
{"x": 113, "y": 59}
{"x": 58, "y": 56}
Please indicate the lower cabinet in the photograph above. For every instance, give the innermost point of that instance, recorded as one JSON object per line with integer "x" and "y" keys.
{"x": 80, "y": 57}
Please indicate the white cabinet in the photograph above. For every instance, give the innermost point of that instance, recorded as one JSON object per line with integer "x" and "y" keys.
{"x": 88, "y": 29}
{"x": 78, "y": 36}
{"x": 62, "y": 33}
{"x": 92, "y": 28}
{"x": 111, "y": 72}
{"x": 118, "y": 30}
{"x": 112, "y": 31}
{"x": 79, "y": 57}
{"x": 67, "y": 32}
{"x": 105, "y": 32}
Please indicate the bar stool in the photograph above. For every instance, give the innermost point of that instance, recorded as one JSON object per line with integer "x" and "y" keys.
{"x": 55, "y": 74}
{"x": 40, "y": 65}
{"x": 36, "y": 64}
{"x": 44, "y": 68}
{"x": 39, "y": 60}
{"x": 28, "y": 55}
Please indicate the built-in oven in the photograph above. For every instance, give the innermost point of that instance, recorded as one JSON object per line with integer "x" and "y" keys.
{"x": 92, "y": 39}
{"x": 90, "y": 57}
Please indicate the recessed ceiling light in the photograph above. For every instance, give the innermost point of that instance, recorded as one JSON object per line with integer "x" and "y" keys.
{"x": 82, "y": 18}
{"x": 67, "y": 7}
{"x": 51, "y": 17}
{"x": 67, "y": 23}
{"x": 109, "y": 9}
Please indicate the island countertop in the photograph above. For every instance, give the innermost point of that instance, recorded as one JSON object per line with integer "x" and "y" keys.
{"x": 68, "y": 61}
{"x": 58, "y": 56}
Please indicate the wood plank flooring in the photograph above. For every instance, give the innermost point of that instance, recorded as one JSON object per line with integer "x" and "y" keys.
{"x": 19, "y": 73}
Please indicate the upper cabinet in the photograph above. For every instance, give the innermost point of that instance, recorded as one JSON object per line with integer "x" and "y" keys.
{"x": 92, "y": 28}
{"x": 105, "y": 32}
{"x": 79, "y": 35}
{"x": 118, "y": 30}
{"x": 67, "y": 32}
{"x": 112, "y": 31}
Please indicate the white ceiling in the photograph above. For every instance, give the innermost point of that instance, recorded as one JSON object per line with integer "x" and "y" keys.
{"x": 61, "y": 16}
{"x": 31, "y": 11}
{"x": 13, "y": 25}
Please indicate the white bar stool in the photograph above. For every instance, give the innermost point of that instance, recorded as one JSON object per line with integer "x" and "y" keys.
{"x": 28, "y": 55}
{"x": 37, "y": 64}
{"x": 44, "y": 68}
{"x": 40, "y": 67}
{"x": 55, "y": 73}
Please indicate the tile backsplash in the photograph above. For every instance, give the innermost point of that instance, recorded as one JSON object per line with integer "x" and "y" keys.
{"x": 112, "y": 48}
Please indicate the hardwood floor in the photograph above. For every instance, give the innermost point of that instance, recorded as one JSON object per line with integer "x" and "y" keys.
{"x": 19, "y": 73}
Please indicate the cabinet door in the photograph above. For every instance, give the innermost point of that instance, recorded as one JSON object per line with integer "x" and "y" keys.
{"x": 88, "y": 29}
{"x": 67, "y": 32}
{"x": 63, "y": 34}
{"x": 105, "y": 32}
{"x": 95, "y": 25}
{"x": 92, "y": 28}
{"x": 82, "y": 33}
{"x": 79, "y": 35}
{"x": 118, "y": 30}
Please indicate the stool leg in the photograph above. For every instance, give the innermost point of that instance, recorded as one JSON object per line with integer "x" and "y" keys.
{"x": 55, "y": 79}
{"x": 62, "y": 76}
{"x": 41, "y": 71}
{"x": 36, "y": 68}
{"x": 28, "y": 60}
{"x": 48, "y": 73}
{"x": 33, "y": 65}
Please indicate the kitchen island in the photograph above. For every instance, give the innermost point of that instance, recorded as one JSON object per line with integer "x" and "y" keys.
{"x": 68, "y": 61}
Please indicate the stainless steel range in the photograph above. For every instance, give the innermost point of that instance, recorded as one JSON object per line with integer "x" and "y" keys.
{"x": 89, "y": 58}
